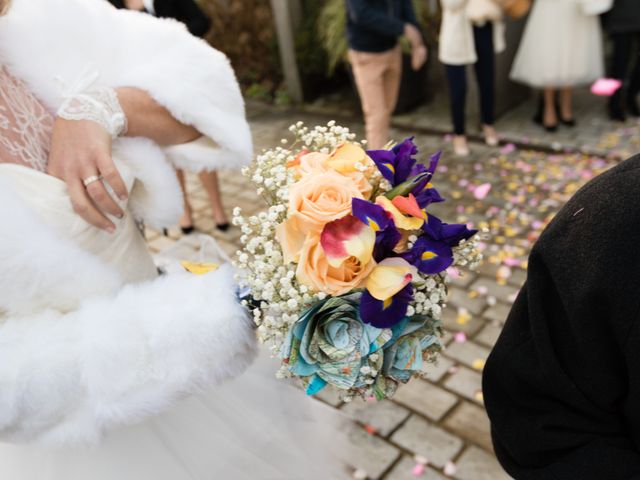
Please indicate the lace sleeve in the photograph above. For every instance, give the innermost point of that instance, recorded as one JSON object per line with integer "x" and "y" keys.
{"x": 86, "y": 101}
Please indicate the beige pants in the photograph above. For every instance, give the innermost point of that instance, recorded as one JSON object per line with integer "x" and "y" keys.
{"x": 377, "y": 77}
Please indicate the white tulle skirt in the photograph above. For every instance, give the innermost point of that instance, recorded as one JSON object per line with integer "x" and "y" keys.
{"x": 561, "y": 46}
{"x": 255, "y": 427}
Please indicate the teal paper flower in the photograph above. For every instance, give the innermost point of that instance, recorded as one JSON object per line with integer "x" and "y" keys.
{"x": 329, "y": 344}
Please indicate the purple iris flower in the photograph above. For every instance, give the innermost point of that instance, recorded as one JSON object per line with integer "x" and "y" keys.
{"x": 425, "y": 194}
{"x": 397, "y": 164}
{"x": 376, "y": 217}
{"x": 433, "y": 251}
{"x": 451, "y": 234}
{"x": 381, "y": 314}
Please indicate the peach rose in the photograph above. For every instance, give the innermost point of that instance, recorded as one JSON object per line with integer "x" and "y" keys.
{"x": 314, "y": 201}
{"x": 312, "y": 164}
{"x": 315, "y": 272}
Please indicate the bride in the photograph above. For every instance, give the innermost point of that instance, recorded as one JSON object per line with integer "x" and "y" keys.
{"x": 106, "y": 368}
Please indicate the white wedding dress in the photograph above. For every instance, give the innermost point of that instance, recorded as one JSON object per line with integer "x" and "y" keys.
{"x": 560, "y": 47}
{"x": 253, "y": 427}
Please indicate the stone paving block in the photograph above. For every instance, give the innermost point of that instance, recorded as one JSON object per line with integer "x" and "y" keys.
{"x": 488, "y": 335}
{"x": 384, "y": 416}
{"x": 465, "y": 382}
{"x": 467, "y": 352}
{"x": 371, "y": 453}
{"x": 404, "y": 468}
{"x": 454, "y": 322}
{"x": 460, "y": 298}
{"x": 426, "y": 399}
{"x": 500, "y": 292}
{"x": 421, "y": 437}
{"x": 464, "y": 279}
{"x": 518, "y": 277}
{"x": 471, "y": 423}
{"x": 435, "y": 371}
{"x": 330, "y": 396}
{"x": 497, "y": 313}
{"x": 476, "y": 464}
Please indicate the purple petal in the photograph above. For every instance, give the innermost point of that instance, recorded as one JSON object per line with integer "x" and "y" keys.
{"x": 385, "y": 314}
{"x": 431, "y": 257}
{"x": 386, "y": 241}
{"x": 370, "y": 214}
{"x": 385, "y": 160}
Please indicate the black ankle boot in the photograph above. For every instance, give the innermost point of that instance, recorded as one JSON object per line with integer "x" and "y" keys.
{"x": 616, "y": 112}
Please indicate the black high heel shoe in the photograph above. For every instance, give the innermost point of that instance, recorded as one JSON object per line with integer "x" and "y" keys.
{"x": 551, "y": 128}
{"x": 223, "y": 227}
{"x": 187, "y": 230}
{"x": 568, "y": 122}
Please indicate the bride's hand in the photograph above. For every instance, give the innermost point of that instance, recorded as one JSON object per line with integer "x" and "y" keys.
{"x": 81, "y": 149}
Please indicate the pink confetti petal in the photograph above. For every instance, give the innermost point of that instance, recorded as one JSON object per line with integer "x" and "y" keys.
{"x": 606, "y": 87}
{"x": 460, "y": 337}
{"x": 482, "y": 191}
{"x": 507, "y": 149}
{"x": 418, "y": 470}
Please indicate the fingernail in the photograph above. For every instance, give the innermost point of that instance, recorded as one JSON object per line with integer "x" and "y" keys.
{"x": 110, "y": 229}
{"x": 120, "y": 216}
{"x": 124, "y": 197}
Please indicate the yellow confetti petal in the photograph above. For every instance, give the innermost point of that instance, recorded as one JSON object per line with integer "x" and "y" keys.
{"x": 478, "y": 364}
{"x": 199, "y": 268}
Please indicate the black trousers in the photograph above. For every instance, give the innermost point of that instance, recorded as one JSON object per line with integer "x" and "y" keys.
{"x": 625, "y": 64}
{"x": 485, "y": 76}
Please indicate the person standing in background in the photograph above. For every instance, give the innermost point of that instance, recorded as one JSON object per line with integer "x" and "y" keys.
{"x": 373, "y": 30}
{"x": 198, "y": 24}
{"x": 561, "y": 48}
{"x": 471, "y": 34}
{"x": 622, "y": 23}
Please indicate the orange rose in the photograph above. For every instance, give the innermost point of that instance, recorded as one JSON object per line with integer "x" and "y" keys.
{"x": 314, "y": 201}
{"x": 315, "y": 272}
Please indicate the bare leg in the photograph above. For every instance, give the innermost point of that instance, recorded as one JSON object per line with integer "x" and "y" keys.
{"x": 210, "y": 183}
{"x": 186, "y": 221}
{"x": 566, "y": 103}
{"x": 550, "y": 117}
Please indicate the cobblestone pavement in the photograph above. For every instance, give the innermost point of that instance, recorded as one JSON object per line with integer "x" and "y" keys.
{"x": 442, "y": 418}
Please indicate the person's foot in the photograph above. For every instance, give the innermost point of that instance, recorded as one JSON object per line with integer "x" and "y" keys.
{"x": 460, "y": 146}
{"x": 186, "y": 222}
{"x": 490, "y": 135}
{"x": 550, "y": 120}
{"x": 221, "y": 221}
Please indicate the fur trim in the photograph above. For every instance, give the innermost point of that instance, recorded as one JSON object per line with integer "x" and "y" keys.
{"x": 156, "y": 197}
{"x": 183, "y": 73}
{"x": 119, "y": 359}
{"x": 201, "y": 154}
{"x": 81, "y": 354}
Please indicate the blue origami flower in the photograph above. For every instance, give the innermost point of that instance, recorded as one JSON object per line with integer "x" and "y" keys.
{"x": 329, "y": 344}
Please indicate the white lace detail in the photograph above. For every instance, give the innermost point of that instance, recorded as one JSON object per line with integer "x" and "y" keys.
{"x": 85, "y": 101}
{"x": 25, "y": 125}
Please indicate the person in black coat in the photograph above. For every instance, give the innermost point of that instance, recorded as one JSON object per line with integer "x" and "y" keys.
{"x": 186, "y": 11}
{"x": 622, "y": 23}
{"x": 562, "y": 385}
{"x": 373, "y": 30}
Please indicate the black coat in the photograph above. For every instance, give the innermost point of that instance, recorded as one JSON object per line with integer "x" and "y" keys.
{"x": 562, "y": 385}
{"x": 186, "y": 11}
{"x": 375, "y": 25}
{"x": 624, "y": 17}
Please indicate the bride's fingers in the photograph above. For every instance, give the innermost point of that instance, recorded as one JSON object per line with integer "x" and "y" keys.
{"x": 103, "y": 200}
{"x": 84, "y": 207}
{"x": 111, "y": 175}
